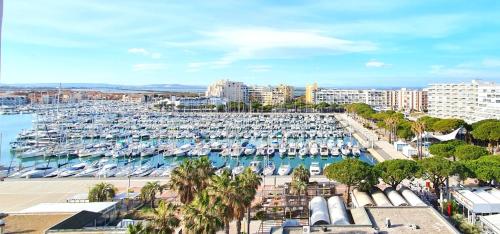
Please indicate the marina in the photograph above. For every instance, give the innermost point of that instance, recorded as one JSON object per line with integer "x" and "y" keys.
{"x": 116, "y": 139}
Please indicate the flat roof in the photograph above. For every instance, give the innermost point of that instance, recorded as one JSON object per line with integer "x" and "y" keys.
{"x": 32, "y": 223}
{"x": 426, "y": 218}
{"x": 492, "y": 221}
{"x": 98, "y": 207}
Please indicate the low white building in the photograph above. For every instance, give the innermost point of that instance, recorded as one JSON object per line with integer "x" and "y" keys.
{"x": 477, "y": 202}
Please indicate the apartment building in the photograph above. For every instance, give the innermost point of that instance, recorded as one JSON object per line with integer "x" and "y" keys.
{"x": 470, "y": 101}
{"x": 230, "y": 91}
{"x": 13, "y": 100}
{"x": 407, "y": 100}
{"x": 280, "y": 94}
{"x": 259, "y": 93}
{"x": 309, "y": 94}
{"x": 374, "y": 98}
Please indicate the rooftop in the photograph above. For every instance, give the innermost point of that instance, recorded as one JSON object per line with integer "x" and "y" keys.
{"x": 32, "y": 223}
{"x": 98, "y": 207}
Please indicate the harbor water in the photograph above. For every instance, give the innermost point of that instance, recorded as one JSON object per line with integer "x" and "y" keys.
{"x": 12, "y": 125}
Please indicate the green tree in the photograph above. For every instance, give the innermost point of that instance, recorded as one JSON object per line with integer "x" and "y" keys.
{"x": 165, "y": 221}
{"x": 300, "y": 173}
{"x": 149, "y": 191}
{"x": 445, "y": 149}
{"x": 428, "y": 122}
{"x": 404, "y": 130}
{"x": 202, "y": 215}
{"x": 102, "y": 192}
{"x": 487, "y": 130}
{"x": 486, "y": 168}
{"x": 418, "y": 129}
{"x": 470, "y": 152}
{"x": 224, "y": 190}
{"x": 247, "y": 183}
{"x": 437, "y": 170}
{"x": 448, "y": 125}
{"x": 139, "y": 228}
{"x": 393, "y": 172}
{"x": 352, "y": 172}
{"x": 190, "y": 178}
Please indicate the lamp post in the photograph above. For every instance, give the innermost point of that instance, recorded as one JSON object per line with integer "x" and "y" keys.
{"x": 2, "y": 226}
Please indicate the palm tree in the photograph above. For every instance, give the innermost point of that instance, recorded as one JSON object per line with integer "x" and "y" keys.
{"x": 204, "y": 171}
{"x": 300, "y": 173}
{"x": 149, "y": 191}
{"x": 182, "y": 181}
{"x": 223, "y": 189}
{"x": 418, "y": 128}
{"x": 164, "y": 220}
{"x": 392, "y": 123}
{"x": 139, "y": 228}
{"x": 299, "y": 187}
{"x": 102, "y": 192}
{"x": 247, "y": 183}
{"x": 202, "y": 215}
{"x": 190, "y": 178}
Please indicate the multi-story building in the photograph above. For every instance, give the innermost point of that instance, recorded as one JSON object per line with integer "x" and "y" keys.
{"x": 470, "y": 101}
{"x": 488, "y": 101}
{"x": 259, "y": 93}
{"x": 231, "y": 91}
{"x": 309, "y": 94}
{"x": 374, "y": 98}
{"x": 280, "y": 94}
{"x": 407, "y": 100}
{"x": 12, "y": 100}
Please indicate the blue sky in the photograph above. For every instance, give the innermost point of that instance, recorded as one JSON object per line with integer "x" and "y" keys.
{"x": 336, "y": 43}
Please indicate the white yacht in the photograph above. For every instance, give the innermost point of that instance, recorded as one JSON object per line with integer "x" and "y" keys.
{"x": 284, "y": 169}
{"x": 255, "y": 166}
{"x": 283, "y": 150}
{"x": 108, "y": 170}
{"x": 315, "y": 169}
{"x": 292, "y": 150}
{"x": 238, "y": 170}
{"x": 38, "y": 172}
{"x": 249, "y": 150}
{"x": 269, "y": 169}
{"x": 323, "y": 151}
{"x": 334, "y": 151}
{"x": 183, "y": 150}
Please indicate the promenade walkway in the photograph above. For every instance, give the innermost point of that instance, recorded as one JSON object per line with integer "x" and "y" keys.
{"x": 378, "y": 148}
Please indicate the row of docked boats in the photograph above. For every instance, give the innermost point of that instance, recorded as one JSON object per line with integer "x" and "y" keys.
{"x": 91, "y": 129}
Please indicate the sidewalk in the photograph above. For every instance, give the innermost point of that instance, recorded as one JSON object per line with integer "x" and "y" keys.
{"x": 380, "y": 149}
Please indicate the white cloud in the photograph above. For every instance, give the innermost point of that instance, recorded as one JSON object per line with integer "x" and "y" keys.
{"x": 148, "y": 66}
{"x": 259, "y": 68}
{"x": 376, "y": 64}
{"x": 142, "y": 51}
{"x": 491, "y": 62}
{"x": 467, "y": 72}
{"x": 258, "y": 43}
{"x": 138, "y": 51}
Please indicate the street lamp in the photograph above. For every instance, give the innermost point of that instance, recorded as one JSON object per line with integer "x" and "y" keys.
{"x": 2, "y": 226}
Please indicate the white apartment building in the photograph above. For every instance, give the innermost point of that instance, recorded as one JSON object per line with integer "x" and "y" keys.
{"x": 194, "y": 101}
{"x": 230, "y": 91}
{"x": 488, "y": 101}
{"x": 375, "y": 98}
{"x": 470, "y": 101}
{"x": 407, "y": 100}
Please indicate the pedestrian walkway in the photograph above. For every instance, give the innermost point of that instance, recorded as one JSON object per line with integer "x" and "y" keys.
{"x": 380, "y": 149}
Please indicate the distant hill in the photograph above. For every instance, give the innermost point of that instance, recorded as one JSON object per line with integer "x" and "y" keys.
{"x": 112, "y": 87}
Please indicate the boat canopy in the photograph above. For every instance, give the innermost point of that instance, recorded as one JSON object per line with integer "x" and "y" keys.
{"x": 319, "y": 211}
{"x": 361, "y": 199}
{"x": 380, "y": 198}
{"x": 395, "y": 198}
{"x": 411, "y": 197}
